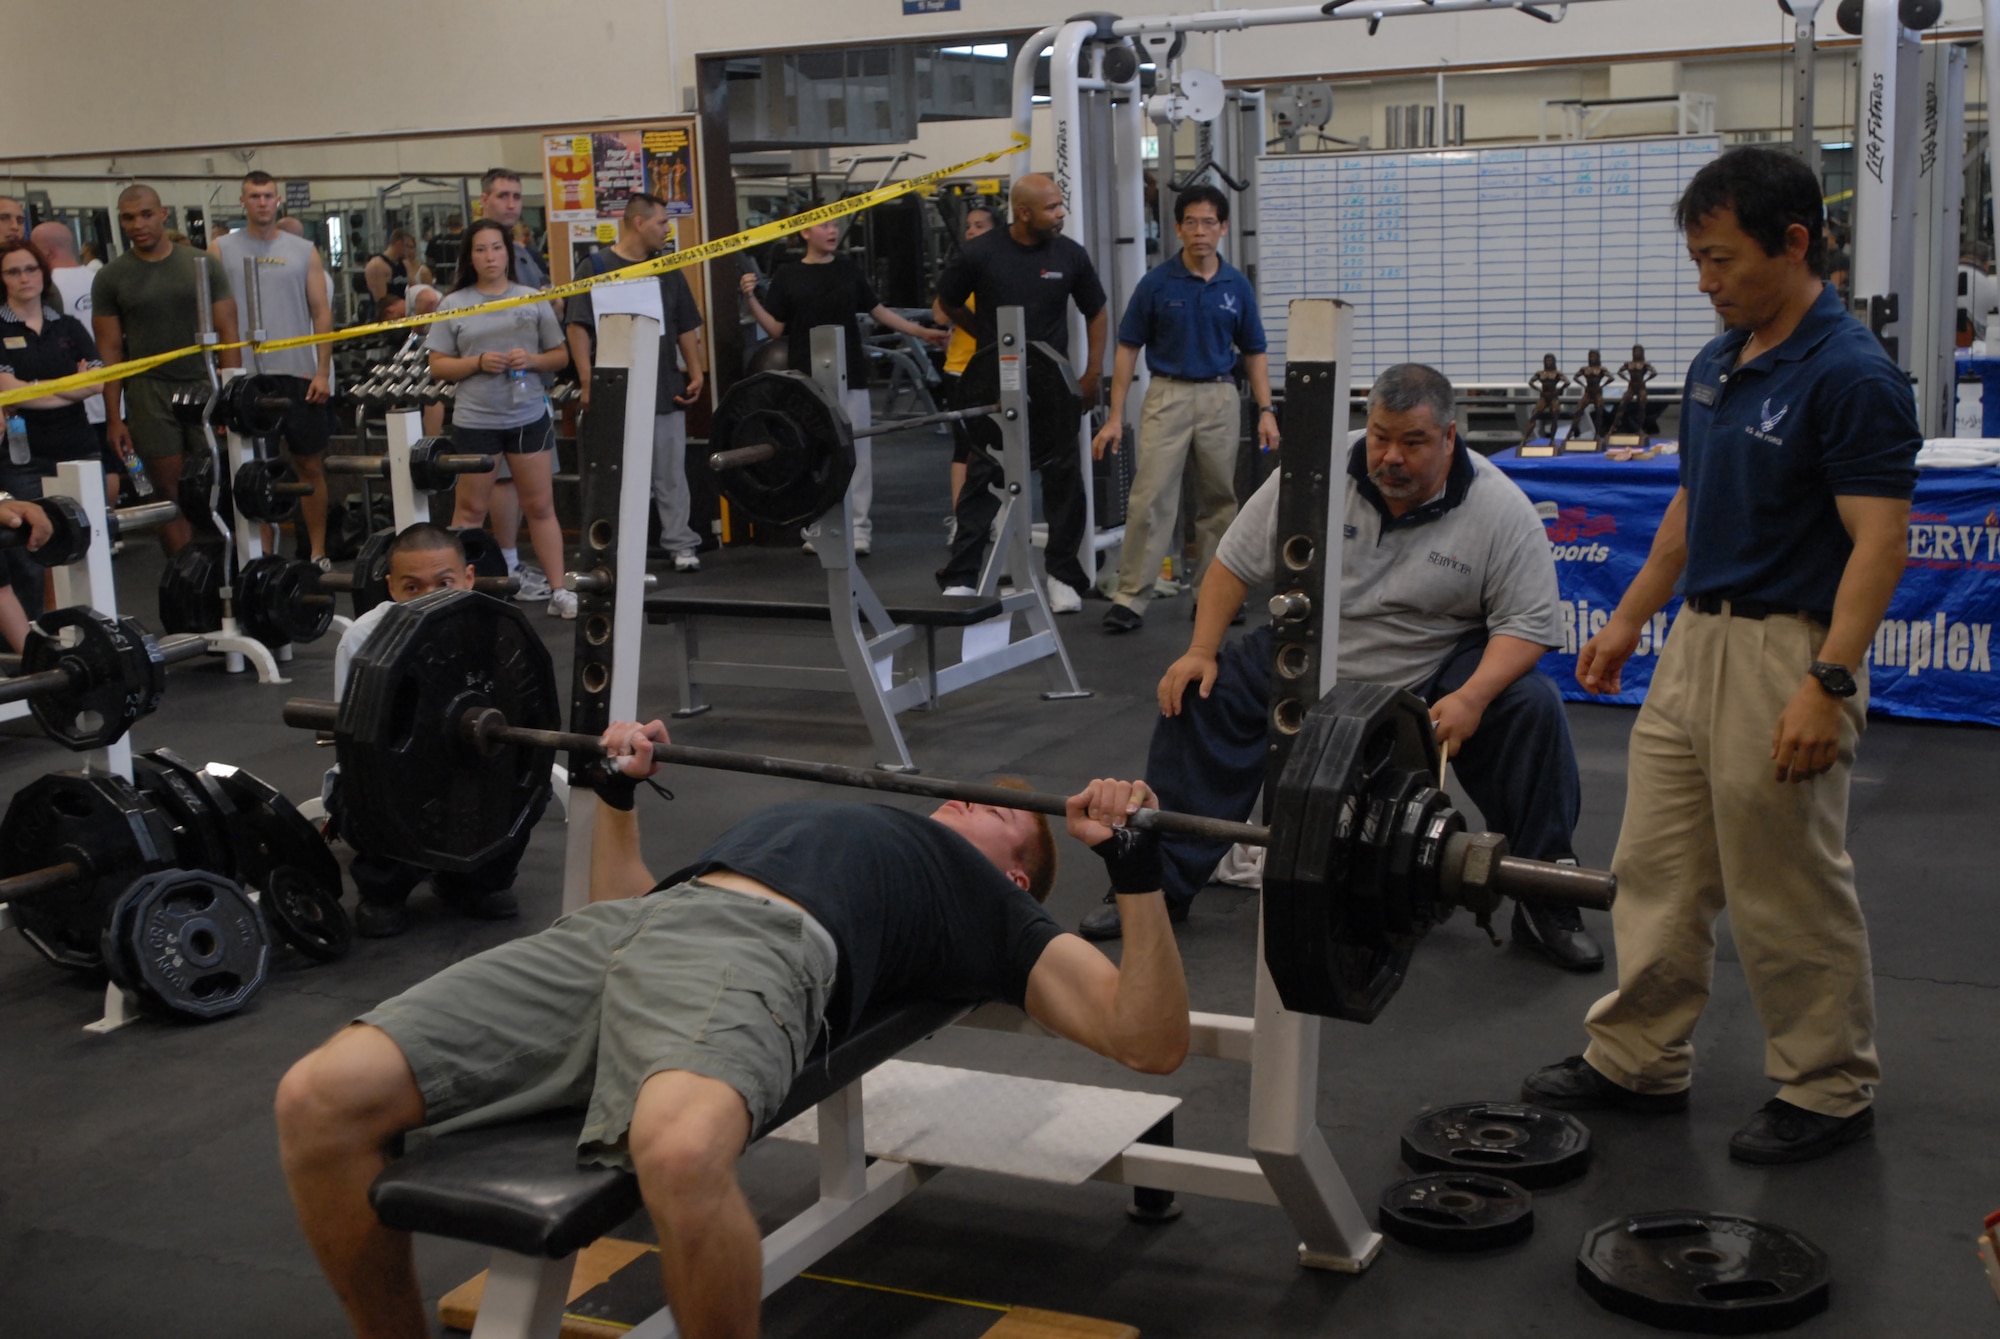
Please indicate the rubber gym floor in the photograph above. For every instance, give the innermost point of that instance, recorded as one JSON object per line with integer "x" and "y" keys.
{"x": 139, "y": 1186}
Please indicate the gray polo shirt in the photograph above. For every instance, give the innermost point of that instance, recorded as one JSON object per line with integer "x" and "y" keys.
{"x": 486, "y": 399}
{"x": 1475, "y": 557}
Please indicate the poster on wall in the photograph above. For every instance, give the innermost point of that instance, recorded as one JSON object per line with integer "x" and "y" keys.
{"x": 670, "y": 169}
{"x": 572, "y": 193}
{"x": 586, "y": 239}
{"x": 618, "y": 164}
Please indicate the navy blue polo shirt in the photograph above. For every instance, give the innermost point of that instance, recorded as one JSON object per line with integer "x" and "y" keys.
{"x": 1192, "y": 328}
{"x": 1766, "y": 448}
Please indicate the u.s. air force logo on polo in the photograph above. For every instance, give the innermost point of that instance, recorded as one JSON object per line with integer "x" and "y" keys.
{"x": 1229, "y": 303}
{"x": 1768, "y": 425}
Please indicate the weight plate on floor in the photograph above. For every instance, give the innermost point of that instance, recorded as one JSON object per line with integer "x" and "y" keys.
{"x": 307, "y": 914}
{"x": 116, "y": 675}
{"x": 200, "y": 841}
{"x": 97, "y": 821}
{"x": 217, "y": 843}
{"x": 1531, "y": 1146}
{"x": 1457, "y": 1211}
{"x": 191, "y": 589}
{"x": 194, "y": 941}
{"x": 1712, "y": 1273}
{"x": 270, "y": 833}
{"x": 416, "y": 789}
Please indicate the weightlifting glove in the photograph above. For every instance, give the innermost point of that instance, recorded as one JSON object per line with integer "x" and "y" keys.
{"x": 1133, "y": 859}
{"x": 616, "y": 789}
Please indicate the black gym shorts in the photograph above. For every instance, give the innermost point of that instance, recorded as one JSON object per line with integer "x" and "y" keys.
{"x": 307, "y": 427}
{"x": 527, "y": 440}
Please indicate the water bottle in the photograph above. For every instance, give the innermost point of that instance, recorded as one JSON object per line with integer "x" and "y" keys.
{"x": 135, "y": 471}
{"x": 17, "y": 439}
{"x": 523, "y": 390}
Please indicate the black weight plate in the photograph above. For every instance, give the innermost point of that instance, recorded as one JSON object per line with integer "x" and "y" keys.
{"x": 270, "y": 597}
{"x": 194, "y": 940}
{"x": 256, "y": 492}
{"x": 200, "y": 840}
{"x": 191, "y": 589}
{"x": 417, "y": 790}
{"x": 1530, "y": 1146}
{"x": 248, "y": 406}
{"x": 371, "y": 571}
{"x": 116, "y": 675}
{"x": 98, "y": 821}
{"x": 307, "y": 914}
{"x": 217, "y": 805}
{"x": 197, "y": 478}
{"x": 1329, "y": 946}
{"x": 814, "y": 441}
{"x": 482, "y": 552}
{"x": 1457, "y": 1211}
{"x": 1711, "y": 1273}
{"x": 270, "y": 833}
{"x": 1055, "y": 405}
{"x": 69, "y": 532}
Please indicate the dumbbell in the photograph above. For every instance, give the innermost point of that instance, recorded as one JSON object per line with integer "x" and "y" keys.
{"x": 87, "y": 676}
{"x": 69, "y": 537}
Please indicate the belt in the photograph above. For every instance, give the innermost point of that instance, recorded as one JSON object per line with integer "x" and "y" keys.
{"x": 1735, "y": 608}
{"x": 1198, "y": 381}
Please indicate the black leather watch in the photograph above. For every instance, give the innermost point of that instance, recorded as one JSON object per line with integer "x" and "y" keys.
{"x": 1834, "y": 678}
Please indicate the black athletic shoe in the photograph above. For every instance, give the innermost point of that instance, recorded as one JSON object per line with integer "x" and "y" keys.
{"x": 1557, "y": 934}
{"x": 1781, "y": 1132}
{"x": 1104, "y": 923}
{"x": 1119, "y": 618}
{"x": 1574, "y": 1086}
{"x": 380, "y": 920}
{"x": 498, "y": 905}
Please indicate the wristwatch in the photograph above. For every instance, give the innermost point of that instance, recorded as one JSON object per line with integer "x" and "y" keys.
{"x": 1834, "y": 678}
{"x": 1267, "y": 409}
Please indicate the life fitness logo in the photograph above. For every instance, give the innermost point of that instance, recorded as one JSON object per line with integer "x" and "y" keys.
{"x": 1572, "y": 528}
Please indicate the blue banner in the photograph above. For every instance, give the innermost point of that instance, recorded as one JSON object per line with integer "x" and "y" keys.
{"x": 1933, "y": 655}
{"x": 929, "y": 6}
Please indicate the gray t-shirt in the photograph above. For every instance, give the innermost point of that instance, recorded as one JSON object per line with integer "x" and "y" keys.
{"x": 1409, "y": 592}
{"x": 284, "y": 264}
{"x": 486, "y": 399}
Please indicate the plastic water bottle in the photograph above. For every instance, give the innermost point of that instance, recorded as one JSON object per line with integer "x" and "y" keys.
{"x": 523, "y": 390}
{"x": 135, "y": 472}
{"x": 17, "y": 439}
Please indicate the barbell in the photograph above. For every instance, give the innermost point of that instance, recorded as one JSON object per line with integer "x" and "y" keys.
{"x": 782, "y": 447}
{"x": 87, "y": 676}
{"x": 253, "y": 405}
{"x": 448, "y": 729}
{"x": 69, "y": 528}
{"x": 432, "y": 468}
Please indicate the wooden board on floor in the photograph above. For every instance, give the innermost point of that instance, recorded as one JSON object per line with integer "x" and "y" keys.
{"x": 597, "y": 1262}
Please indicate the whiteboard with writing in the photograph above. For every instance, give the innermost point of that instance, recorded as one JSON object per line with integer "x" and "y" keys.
{"x": 1479, "y": 261}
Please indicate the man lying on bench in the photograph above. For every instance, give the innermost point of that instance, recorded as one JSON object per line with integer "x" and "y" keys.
{"x": 680, "y": 1019}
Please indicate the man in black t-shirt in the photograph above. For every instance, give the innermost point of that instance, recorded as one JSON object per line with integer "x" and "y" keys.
{"x": 1031, "y": 265}
{"x": 827, "y": 288}
{"x": 681, "y": 1018}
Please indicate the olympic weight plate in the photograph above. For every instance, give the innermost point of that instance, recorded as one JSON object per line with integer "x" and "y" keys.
{"x": 191, "y": 589}
{"x": 415, "y": 789}
{"x": 256, "y": 491}
{"x": 371, "y": 571}
{"x": 481, "y": 552}
{"x": 271, "y": 601}
{"x": 97, "y": 821}
{"x": 201, "y": 841}
{"x": 269, "y": 833}
{"x": 813, "y": 442}
{"x": 1457, "y": 1211}
{"x": 1055, "y": 405}
{"x": 116, "y": 675}
{"x": 307, "y": 914}
{"x": 1531, "y": 1146}
{"x": 69, "y": 531}
{"x": 196, "y": 483}
{"x": 1341, "y": 924}
{"x": 1711, "y": 1273}
{"x": 193, "y": 942}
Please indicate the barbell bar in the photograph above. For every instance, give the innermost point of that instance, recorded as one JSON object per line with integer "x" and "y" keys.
{"x": 756, "y": 453}
{"x": 486, "y": 727}
{"x": 69, "y": 528}
{"x": 69, "y": 676}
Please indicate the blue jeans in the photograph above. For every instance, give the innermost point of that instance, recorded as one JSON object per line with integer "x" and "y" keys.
{"x": 1520, "y": 768}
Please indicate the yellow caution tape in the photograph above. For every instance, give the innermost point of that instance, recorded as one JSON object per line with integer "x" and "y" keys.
{"x": 721, "y": 246}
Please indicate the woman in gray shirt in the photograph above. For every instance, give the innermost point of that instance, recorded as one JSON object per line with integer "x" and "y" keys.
{"x": 497, "y": 359}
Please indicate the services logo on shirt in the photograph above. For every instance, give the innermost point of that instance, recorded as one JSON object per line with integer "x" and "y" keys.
{"x": 1768, "y": 424}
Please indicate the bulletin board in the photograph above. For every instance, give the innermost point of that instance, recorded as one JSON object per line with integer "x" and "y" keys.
{"x": 588, "y": 175}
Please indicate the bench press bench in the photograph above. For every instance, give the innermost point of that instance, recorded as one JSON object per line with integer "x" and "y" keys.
{"x": 518, "y": 1189}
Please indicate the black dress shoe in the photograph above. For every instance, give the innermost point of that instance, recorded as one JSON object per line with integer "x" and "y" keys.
{"x": 1119, "y": 618}
{"x": 1574, "y": 1085}
{"x": 1104, "y": 923}
{"x": 1781, "y": 1132}
{"x": 1557, "y": 934}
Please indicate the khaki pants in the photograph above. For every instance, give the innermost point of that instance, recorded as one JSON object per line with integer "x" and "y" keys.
{"x": 1179, "y": 415}
{"x": 1707, "y": 826}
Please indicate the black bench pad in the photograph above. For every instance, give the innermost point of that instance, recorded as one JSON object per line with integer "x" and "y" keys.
{"x": 518, "y": 1186}
{"x": 947, "y": 611}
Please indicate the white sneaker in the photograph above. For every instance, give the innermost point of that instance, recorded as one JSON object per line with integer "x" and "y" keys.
{"x": 534, "y": 585}
{"x": 1062, "y": 599}
{"x": 808, "y": 547}
{"x": 686, "y": 561}
{"x": 960, "y": 590}
{"x": 562, "y": 604}
{"x": 863, "y": 547}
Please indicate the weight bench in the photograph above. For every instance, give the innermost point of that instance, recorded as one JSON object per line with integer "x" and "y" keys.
{"x": 866, "y": 654}
{"x": 518, "y": 1189}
